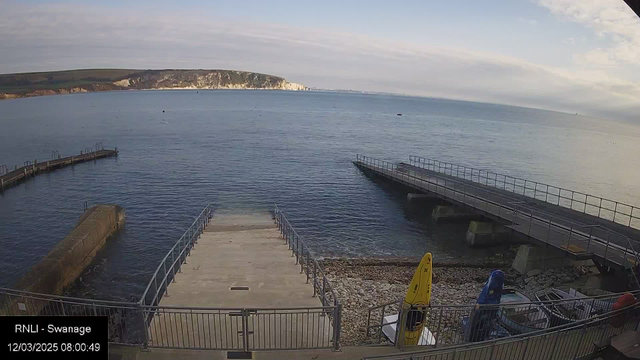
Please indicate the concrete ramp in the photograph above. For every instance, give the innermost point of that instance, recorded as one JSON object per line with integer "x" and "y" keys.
{"x": 244, "y": 280}
{"x": 241, "y": 261}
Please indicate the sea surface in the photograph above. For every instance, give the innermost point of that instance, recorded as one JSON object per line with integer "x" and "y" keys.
{"x": 243, "y": 151}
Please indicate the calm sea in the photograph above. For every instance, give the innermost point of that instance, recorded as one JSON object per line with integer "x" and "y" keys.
{"x": 246, "y": 150}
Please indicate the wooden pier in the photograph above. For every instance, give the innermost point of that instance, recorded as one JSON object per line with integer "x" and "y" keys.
{"x": 10, "y": 178}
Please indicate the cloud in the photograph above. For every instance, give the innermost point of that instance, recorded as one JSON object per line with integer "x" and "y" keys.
{"x": 608, "y": 18}
{"x": 569, "y": 41}
{"x": 46, "y": 37}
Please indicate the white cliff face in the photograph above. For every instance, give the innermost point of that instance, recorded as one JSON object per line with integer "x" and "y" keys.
{"x": 210, "y": 80}
{"x": 123, "y": 83}
{"x": 293, "y": 86}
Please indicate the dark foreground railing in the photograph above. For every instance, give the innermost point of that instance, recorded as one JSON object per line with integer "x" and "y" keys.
{"x": 454, "y": 324}
{"x": 566, "y": 342}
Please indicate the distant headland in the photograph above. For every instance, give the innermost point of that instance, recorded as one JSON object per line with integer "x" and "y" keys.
{"x": 20, "y": 85}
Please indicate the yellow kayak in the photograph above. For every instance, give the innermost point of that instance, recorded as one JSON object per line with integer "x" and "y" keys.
{"x": 418, "y": 294}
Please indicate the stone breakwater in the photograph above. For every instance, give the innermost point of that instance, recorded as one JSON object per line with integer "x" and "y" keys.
{"x": 363, "y": 283}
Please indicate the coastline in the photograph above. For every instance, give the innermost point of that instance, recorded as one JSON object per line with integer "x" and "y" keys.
{"x": 8, "y": 96}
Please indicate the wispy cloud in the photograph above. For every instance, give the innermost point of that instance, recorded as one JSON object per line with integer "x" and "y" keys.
{"x": 608, "y": 18}
{"x": 46, "y": 37}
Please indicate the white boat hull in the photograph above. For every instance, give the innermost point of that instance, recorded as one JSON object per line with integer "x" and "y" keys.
{"x": 389, "y": 330}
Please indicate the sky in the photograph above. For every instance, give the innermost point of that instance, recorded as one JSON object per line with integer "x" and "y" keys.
{"x": 565, "y": 55}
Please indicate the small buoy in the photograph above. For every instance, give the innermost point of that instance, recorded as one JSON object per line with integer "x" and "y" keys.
{"x": 162, "y": 110}
{"x": 399, "y": 114}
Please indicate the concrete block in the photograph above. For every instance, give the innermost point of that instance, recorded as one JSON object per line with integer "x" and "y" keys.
{"x": 486, "y": 234}
{"x": 74, "y": 253}
{"x": 531, "y": 257}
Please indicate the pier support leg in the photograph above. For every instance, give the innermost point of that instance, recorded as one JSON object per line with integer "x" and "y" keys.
{"x": 531, "y": 257}
{"x": 486, "y": 234}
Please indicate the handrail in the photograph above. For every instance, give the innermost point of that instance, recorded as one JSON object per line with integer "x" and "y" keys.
{"x": 304, "y": 256}
{"x": 183, "y": 246}
{"x": 495, "y": 179}
{"x": 457, "y": 190}
{"x": 299, "y": 249}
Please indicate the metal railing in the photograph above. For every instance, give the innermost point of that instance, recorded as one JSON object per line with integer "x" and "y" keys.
{"x": 125, "y": 319}
{"x": 313, "y": 271}
{"x": 242, "y": 329}
{"x": 172, "y": 262}
{"x": 567, "y": 342}
{"x": 308, "y": 263}
{"x": 615, "y": 211}
{"x": 454, "y": 325}
{"x": 575, "y": 238}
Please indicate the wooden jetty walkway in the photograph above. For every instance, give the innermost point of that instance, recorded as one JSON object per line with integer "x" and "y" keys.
{"x": 10, "y": 178}
{"x": 580, "y": 234}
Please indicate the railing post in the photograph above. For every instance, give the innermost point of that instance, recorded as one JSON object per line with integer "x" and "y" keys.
{"x": 306, "y": 262}
{"x": 615, "y": 211}
{"x": 439, "y": 323}
{"x": 399, "y": 340}
{"x": 245, "y": 330}
{"x": 584, "y": 330}
{"x": 546, "y": 194}
{"x": 166, "y": 286}
{"x": 315, "y": 282}
{"x": 145, "y": 329}
{"x": 600, "y": 207}
{"x": 324, "y": 293}
{"x": 571, "y": 205}
{"x": 337, "y": 324}
{"x": 173, "y": 266}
